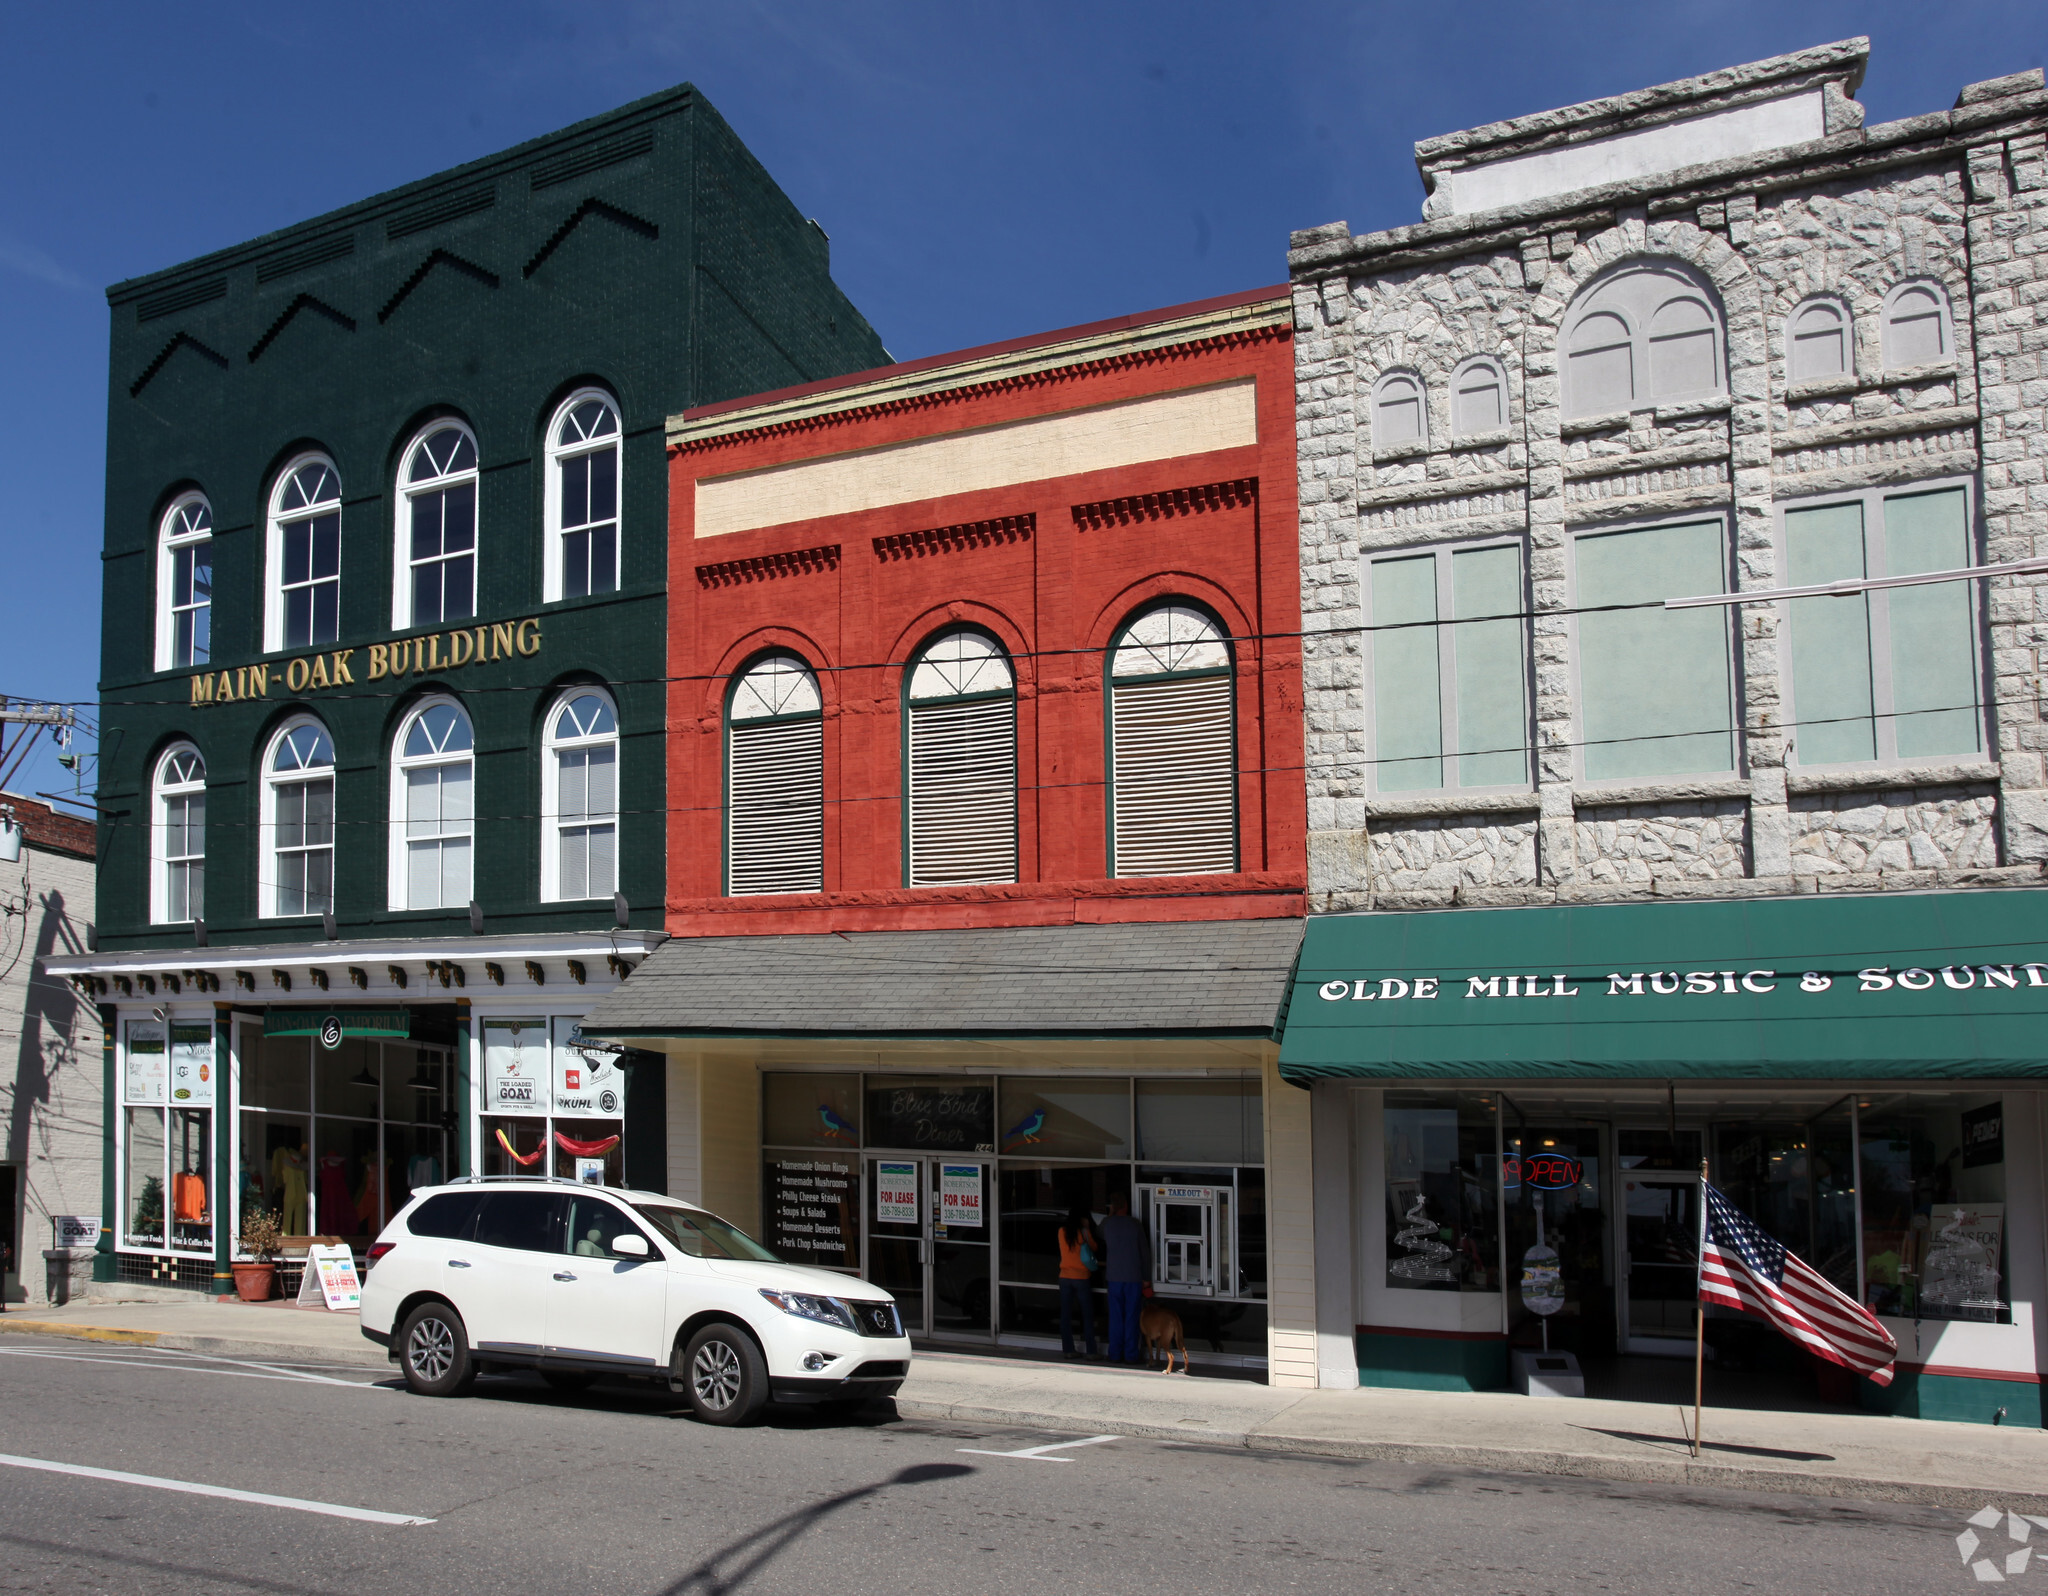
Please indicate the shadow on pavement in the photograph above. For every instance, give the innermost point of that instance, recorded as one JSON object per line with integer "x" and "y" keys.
{"x": 1711, "y": 1446}
{"x": 733, "y": 1564}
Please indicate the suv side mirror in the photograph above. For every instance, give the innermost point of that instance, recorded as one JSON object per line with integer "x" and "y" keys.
{"x": 629, "y": 1244}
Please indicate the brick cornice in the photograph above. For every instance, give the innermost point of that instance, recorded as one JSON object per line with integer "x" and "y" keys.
{"x": 953, "y": 386}
{"x": 767, "y": 567}
{"x": 1164, "y": 505}
{"x": 952, "y": 539}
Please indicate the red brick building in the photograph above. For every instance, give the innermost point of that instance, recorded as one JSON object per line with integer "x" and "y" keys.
{"x": 986, "y": 830}
{"x": 945, "y": 505}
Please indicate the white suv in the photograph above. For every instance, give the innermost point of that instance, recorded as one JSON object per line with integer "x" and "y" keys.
{"x": 577, "y": 1281}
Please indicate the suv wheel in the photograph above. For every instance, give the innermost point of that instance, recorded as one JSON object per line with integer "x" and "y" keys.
{"x": 434, "y": 1351}
{"x": 723, "y": 1375}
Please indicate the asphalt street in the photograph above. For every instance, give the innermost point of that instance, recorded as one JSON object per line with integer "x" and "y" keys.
{"x": 616, "y": 1490}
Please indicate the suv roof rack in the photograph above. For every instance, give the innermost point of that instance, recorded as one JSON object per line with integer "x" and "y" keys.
{"x": 552, "y": 1180}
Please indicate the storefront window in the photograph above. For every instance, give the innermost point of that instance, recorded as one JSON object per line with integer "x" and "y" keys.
{"x": 810, "y": 1111}
{"x": 144, "y": 1182}
{"x": 941, "y": 1114}
{"x": 1933, "y": 1191}
{"x": 1798, "y": 1182}
{"x": 1556, "y": 1254}
{"x": 1442, "y": 1192}
{"x": 1066, "y": 1118}
{"x": 167, "y": 1087}
{"x": 378, "y": 1131}
{"x": 1201, "y": 1122}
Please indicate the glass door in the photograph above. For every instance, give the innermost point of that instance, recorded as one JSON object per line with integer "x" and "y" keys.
{"x": 929, "y": 1242}
{"x": 1660, "y": 1235}
{"x": 898, "y": 1243}
{"x": 962, "y": 1284}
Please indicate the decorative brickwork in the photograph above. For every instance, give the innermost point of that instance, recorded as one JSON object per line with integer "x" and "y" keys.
{"x": 953, "y": 539}
{"x": 1161, "y": 506}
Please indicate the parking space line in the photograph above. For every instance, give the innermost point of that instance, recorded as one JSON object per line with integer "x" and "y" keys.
{"x": 365, "y": 1515}
{"x": 1038, "y": 1454}
{"x": 242, "y": 1372}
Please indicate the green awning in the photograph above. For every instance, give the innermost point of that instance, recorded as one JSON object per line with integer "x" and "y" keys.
{"x": 1923, "y": 986}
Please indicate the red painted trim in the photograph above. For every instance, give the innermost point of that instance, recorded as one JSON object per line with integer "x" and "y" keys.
{"x": 1142, "y": 318}
{"x": 1956, "y": 1372}
{"x": 1431, "y": 1335}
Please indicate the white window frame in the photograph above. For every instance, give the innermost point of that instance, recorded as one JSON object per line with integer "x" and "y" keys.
{"x": 968, "y": 713}
{"x": 268, "y": 881}
{"x": 1227, "y": 674}
{"x": 1407, "y": 379}
{"x": 175, "y": 531}
{"x": 1840, "y": 307}
{"x": 1599, "y": 298}
{"x": 1881, "y": 700}
{"x": 1945, "y": 321}
{"x": 554, "y": 576}
{"x": 401, "y": 522}
{"x": 400, "y": 851}
{"x": 811, "y": 714}
{"x": 1500, "y": 377}
{"x": 1446, "y": 661}
{"x": 162, "y": 791}
{"x": 551, "y": 791}
{"x": 1739, "y": 755}
{"x": 273, "y": 546}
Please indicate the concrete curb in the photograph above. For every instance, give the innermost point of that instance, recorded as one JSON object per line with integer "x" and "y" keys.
{"x": 1581, "y": 1465}
{"x": 366, "y": 1356}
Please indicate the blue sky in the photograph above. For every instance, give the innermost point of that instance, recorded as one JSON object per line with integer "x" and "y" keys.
{"x": 984, "y": 170}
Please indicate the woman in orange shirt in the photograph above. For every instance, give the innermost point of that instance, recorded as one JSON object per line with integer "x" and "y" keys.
{"x": 1080, "y": 1253}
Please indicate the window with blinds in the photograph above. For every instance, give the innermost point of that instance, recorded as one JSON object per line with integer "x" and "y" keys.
{"x": 1173, "y": 764}
{"x": 961, "y": 764}
{"x": 775, "y": 780}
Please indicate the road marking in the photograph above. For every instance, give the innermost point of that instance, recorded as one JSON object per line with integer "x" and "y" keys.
{"x": 242, "y": 1373}
{"x": 1037, "y": 1454}
{"x": 366, "y": 1515}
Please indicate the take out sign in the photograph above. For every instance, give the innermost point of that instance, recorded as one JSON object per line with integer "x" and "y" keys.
{"x": 1682, "y": 983}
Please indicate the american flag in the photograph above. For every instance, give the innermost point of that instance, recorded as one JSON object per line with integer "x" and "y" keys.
{"x": 1741, "y": 1267}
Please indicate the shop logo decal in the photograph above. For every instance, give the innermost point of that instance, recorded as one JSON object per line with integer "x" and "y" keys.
{"x": 607, "y": 1102}
{"x": 1981, "y": 1553}
{"x": 330, "y": 1032}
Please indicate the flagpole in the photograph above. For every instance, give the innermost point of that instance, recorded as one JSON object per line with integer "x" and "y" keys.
{"x": 1699, "y": 1346}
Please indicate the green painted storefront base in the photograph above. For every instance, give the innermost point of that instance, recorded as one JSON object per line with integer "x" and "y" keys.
{"x": 1963, "y": 1399}
{"x": 1432, "y": 1363}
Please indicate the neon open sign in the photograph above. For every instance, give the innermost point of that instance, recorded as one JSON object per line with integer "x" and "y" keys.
{"x": 1551, "y": 1172}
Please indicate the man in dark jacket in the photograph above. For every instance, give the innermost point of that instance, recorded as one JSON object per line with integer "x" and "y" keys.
{"x": 1127, "y": 1267}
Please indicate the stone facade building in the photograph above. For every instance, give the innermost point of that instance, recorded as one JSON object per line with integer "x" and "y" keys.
{"x": 1709, "y": 341}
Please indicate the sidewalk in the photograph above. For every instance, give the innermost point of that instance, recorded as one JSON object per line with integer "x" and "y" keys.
{"x": 1841, "y": 1454}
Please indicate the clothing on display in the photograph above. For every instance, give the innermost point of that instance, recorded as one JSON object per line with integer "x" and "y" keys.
{"x": 188, "y": 1199}
{"x": 332, "y": 1187}
{"x": 424, "y": 1170}
{"x": 288, "y": 1180}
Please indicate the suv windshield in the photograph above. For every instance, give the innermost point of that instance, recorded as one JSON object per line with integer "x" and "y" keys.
{"x": 703, "y": 1235}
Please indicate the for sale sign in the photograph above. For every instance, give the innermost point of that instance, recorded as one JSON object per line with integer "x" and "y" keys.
{"x": 959, "y": 1194}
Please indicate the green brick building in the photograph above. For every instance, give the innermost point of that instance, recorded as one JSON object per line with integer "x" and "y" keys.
{"x": 381, "y": 775}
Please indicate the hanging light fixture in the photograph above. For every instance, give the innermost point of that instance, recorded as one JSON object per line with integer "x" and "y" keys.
{"x": 363, "y": 1077}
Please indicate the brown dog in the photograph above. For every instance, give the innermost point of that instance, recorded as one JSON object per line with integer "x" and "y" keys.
{"x": 1161, "y": 1328}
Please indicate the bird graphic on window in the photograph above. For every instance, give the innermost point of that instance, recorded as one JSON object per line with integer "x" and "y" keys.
{"x": 1027, "y": 1128}
{"x": 835, "y": 1128}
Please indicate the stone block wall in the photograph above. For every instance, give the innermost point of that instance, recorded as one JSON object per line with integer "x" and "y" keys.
{"x": 1956, "y": 200}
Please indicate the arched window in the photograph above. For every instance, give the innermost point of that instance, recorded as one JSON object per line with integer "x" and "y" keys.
{"x": 436, "y": 576}
{"x": 1817, "y": 341}
{"x": 302, "y": 605}
{"x": 960, "y": 763}
{"x": 1173, "y": 747}
{"x": 1398, "y": 417}
{"x": 184, "y": 583}
{"x": 1479, "y": 398}
{"x": 1916, "y": 326}
{"x": 582, "y": 554}
{"x": 298, "y": 821}
{"x": 433, "y": 808}
{"x": 775, "y": 780}
{"x": 1647, "y": 334}
{"x": 177, "y": 891}
{"x": 580, "y": 807}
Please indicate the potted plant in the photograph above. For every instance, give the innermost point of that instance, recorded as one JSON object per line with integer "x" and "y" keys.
{"x": 256, "y": 1279}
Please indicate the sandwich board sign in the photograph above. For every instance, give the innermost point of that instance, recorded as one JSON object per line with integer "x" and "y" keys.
{"x": 330, "y": 1278}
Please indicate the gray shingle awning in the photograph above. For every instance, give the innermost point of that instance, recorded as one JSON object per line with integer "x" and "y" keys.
{"x": 1215, "y": 978}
